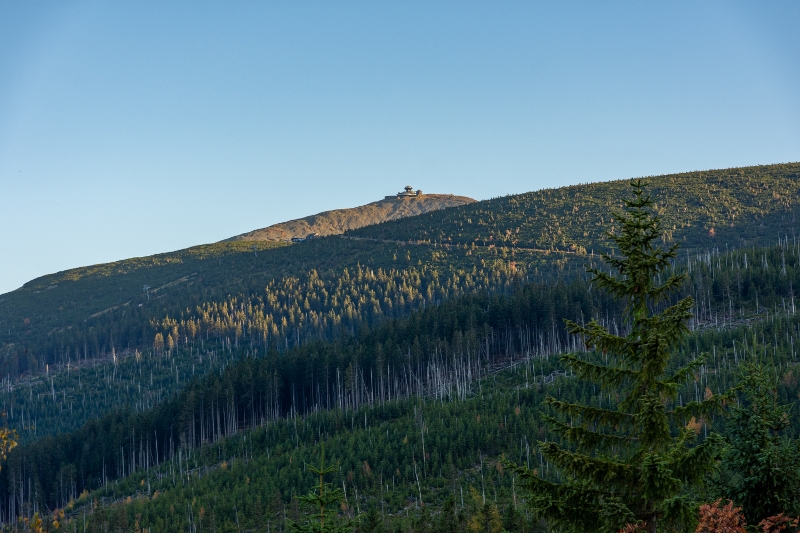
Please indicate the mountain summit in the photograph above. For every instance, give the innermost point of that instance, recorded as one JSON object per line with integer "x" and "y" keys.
{"x": 403, "y": 204}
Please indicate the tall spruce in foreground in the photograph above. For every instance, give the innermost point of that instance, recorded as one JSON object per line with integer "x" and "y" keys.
{"x": 638, "y": 463}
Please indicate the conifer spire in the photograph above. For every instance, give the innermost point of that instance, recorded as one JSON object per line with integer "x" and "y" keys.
{"x": 324, "y": 499}
{"x": 634, "y": 463}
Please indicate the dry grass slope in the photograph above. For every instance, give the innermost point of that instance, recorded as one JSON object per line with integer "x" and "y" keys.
{"x": 340, "y": 220}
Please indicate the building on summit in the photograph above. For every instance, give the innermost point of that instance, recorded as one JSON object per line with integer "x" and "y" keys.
{"x": 408, "y": 192}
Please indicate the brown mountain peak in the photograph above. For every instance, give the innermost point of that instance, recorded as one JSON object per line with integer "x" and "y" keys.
{"x": 403, "y": 204}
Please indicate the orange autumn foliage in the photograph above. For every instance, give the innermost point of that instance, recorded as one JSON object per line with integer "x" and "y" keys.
{"x": 778, "y": 524}
{"x": 715, "y": 518}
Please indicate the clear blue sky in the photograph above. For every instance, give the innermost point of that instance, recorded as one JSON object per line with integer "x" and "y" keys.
{"x": 131, "y": 128}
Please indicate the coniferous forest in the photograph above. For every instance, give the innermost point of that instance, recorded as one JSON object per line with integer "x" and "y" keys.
{"x": 480, "y": 368}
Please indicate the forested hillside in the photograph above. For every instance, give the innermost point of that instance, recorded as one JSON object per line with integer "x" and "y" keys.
{"x": 88, "y": 313}
{"x": 157, "y": 379}
{"x": 499, "y": 416}
{"x": 729, "y": 287}
{"x": 436, "y": 371}
{"x": 94, "y": 312}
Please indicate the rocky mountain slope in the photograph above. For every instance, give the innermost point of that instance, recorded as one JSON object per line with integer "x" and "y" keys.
{"x": 338, "y": 221}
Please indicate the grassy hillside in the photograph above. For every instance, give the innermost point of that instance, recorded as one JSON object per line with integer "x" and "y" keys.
{"x": 733, "y": 207}
{"x": 340, "y": 220}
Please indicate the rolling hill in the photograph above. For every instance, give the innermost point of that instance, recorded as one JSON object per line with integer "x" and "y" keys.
{"x": 90, "y": 312}
{"x": 338, "y": 221}
{"x": 735, "y": 207}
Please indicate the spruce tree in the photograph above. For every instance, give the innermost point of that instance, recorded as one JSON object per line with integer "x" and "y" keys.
{"x": 636, "y": 463}
{"x": 371, "y": 522}
{"x": 761, "y": 465}
{"x": 324, "y": 499}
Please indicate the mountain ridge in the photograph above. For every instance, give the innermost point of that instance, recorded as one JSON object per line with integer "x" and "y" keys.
{"x": 337, "y": 221}
{"x": 701, "y": 209}
{"x": 88, "y": 312}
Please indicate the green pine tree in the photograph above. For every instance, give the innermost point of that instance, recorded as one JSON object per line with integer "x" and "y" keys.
{"x": 761, "y": 466}
{"x": 448, "y": 519}
{"x": 324, "y": 499}
{"x": 636, "y": 463}
{"x": 371, "y": 522}
{"x": 513, "y": 521}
